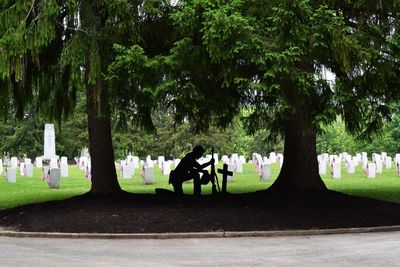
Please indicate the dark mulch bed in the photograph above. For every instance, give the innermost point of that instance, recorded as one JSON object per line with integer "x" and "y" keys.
{"x": 129, "y": 213}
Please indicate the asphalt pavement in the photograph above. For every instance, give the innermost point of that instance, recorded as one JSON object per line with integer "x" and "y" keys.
{"x": 362, "y": 249}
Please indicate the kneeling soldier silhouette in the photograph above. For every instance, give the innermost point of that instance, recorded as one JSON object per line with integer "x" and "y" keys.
{"x": 187, "y": 169}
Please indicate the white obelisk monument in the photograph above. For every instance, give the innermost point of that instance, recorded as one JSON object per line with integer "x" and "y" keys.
{"x": 49, "y": 142}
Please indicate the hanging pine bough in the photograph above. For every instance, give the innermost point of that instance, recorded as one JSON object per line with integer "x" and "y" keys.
{"x": 50, "y": 50}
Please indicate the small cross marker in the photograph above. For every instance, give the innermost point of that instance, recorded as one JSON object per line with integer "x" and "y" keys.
{"x": 225, "y": 174}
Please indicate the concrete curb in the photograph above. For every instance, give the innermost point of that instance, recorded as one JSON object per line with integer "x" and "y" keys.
{"x": 217, "y": 234}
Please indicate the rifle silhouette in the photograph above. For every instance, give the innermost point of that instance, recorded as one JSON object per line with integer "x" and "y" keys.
{"x": 214, "y": 176}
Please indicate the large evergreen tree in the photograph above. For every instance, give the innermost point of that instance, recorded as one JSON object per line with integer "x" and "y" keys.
{"x": 51, "y": 49}
{"x": 353, "y": 40}
{"x": 270, "y": 56}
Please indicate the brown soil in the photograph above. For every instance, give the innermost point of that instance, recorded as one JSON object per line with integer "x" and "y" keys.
{"x": 129, "y": 213}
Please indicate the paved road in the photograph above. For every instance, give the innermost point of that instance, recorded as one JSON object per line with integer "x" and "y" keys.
{"x": 372, "y": 249}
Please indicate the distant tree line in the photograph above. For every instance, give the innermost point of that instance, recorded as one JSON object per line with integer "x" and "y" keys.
{"x": 335, "y": 139}
{"x": 25, "y": 137}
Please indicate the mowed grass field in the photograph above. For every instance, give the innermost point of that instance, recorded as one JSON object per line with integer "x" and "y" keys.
{"x": 385, "y": 186}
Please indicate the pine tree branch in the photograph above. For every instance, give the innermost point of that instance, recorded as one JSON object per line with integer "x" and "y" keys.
{"x": 30, "y": 10}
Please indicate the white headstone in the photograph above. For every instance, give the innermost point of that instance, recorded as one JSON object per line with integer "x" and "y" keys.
{"x": 364, "y": 162}
{"x": 11, "y": 175}
{"x": 322, "y": 166}
{"x": 166, "y": 167}
{"x": 39, "y": 162}
{"x": 231, "y": 168}
{"x": 336, "y": 172}
{"x": 64, "y": 169}
{"x": 272, "y": 157}
{"x": 202, "y": 160}
{"x": 375, "y": 157}
{"x": 45, "y": 173}
{"x": 235, "y": 157}
{"x": 258, "y": 164}
{"x": 27, "y": 160}
{"x": 85, "y": 152}
{"x": 215, "y": 158}
{"x": 53, "y": 163}
{"x": 29, "y": 169}
{"x": 64, "y": 160}
{"x": 160, "y": 161}
{"x": 127, "y": 170}
{"x": 280, "y": 159}
{"x": 1, "y": 166}
{"x": 266, "y": 171}
{"x": 254, "y": 158}
{"x": 371, "y": 170}
{"x": 225, "y": 159}
{"x": 378, "y": 163}
{"x": 148, "y": 175}
{"x": 85, "y": 162}
{"x": 54, "y": 178}
{"x": 49, "y": 142}
{"x": 121, "y": 168}
{"x": 14, "y": 162}
{"x": 356, "y": 160}
{"x": 388, "y": 162}
{"x": 149, "y": 162}
{"x": 239, "y": 167}
{"x": 208, "y": 157}
{"x": 135, "y": 161}
{"x": 383, "y": 155}
{"x": 397, "y": 158}
{"x": 351, "y": 166}
{"x": 334, "y": 159}
{"x": 22, "y": 169}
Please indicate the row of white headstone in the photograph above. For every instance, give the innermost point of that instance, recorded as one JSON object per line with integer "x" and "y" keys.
{"x": 13, "y": 162}
{"x": 370, "y": 168}
{"x": 25, "y": 168}
{"x": 51, "y": 173}
{"x": 85, "y": 164}
{"x": 127, "y": 169}
{"x": 127, "y": 166}
{"x": 234, "y": 162}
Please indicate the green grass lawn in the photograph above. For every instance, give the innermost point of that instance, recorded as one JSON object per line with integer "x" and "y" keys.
{"x": 26, "y": 190}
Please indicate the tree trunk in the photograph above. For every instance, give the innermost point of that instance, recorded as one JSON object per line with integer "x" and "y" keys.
{"x": 104, "y": 177}
{"x": 300, "y": 166}
{"x": 103, "y": 173}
